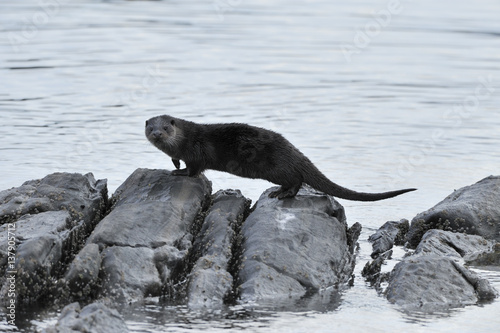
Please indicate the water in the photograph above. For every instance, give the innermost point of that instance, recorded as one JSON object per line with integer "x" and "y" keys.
{"x": 380, "y": 95}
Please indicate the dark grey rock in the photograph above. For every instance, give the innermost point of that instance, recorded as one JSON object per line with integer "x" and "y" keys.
{"x": 36, "y": 262}
{"x": 32, "y": 226}
{"x": 81, "y": 196}
{"x": 83, "y": 274}
{"x": 433, "y": 278}
{"x": 148, "y": 232}
{"x": 210, "y": 281}
{"x": 95, "y": 318}
{"x": 450, "y": 244}
{"x": 390, "y": 234}
{"x": 472, "y": 210}
{"x": 168, "y": 259}
{"x": 50, "y": 218}
{"x": 353, "y": 234}
{"x": 372, "y": 272}
{"x": 487, "y": 258}
{"x": 483, "y": 288}
{"x": 432, "y": 282}
{"x": 129, "y": 274}
{"x": 293, "y": 246}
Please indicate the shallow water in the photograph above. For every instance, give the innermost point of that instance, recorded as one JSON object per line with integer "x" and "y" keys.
{"x": 379, "y": 95}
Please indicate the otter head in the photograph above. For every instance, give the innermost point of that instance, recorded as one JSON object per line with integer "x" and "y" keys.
{"x": 163, "y": 133}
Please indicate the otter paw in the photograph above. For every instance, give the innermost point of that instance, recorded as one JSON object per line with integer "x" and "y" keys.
{"x": 180, "y": 172}
{"x": 274, "y": 194}
{"x": 280, "y": 194}
{"x": 177, "y": 163}
{"x": 283, "y": 193}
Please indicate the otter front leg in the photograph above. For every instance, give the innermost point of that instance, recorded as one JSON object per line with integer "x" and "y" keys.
{"x": 180, "y": 172}
{"x": 191, "y": 170}
{"x": 177, "y": 163}
{"x": 285, "y": 192}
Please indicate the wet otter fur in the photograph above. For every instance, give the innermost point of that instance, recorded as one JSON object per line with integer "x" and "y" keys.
{"x": 245, "y": 151}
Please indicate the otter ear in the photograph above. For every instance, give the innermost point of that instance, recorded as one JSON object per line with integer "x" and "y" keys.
{"x": 172, "y": 122}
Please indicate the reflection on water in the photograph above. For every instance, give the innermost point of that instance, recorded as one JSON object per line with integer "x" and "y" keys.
{"x": 379, "y": 95}
{"x": 240, "y": 317}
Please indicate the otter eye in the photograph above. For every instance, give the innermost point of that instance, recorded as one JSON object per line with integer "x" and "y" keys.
{"x": 147, "y": 123}
{"x": 165, "y": 128}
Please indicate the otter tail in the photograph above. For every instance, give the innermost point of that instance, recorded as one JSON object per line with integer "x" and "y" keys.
{"x": 319, "y": 181}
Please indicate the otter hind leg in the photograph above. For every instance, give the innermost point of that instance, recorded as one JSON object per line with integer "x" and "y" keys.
{"x": 285, "y": 192}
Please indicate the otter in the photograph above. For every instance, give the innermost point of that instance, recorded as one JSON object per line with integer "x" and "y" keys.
{"x": 245, "y": 151}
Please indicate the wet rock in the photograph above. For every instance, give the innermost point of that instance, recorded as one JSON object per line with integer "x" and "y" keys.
{"x": 390, "y": 234}
{"x": 372, "y": 272}
{"x": 169, "y": 260}
{"x": 450, "y": 244}
{"x": 83, "y": 273}
{"x": 353, "y": 234}
{"x": 433, "y": 277}
{"x": 49, "y": 219}
{"x": 129, "y": 273}
{"x": 147, "y": 232}
{"x": 210, "y": 281}
{"x": 293, "y": 246}
{"x": 80, "y": 195}
{"x": 433, "y": 282}
{"x": 472, "y": 210}
{"x": 95, "y": 317}
{"x": 487, "y": 259}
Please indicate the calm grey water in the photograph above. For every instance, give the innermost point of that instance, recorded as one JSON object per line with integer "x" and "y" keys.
{"x": 379, "y": 94}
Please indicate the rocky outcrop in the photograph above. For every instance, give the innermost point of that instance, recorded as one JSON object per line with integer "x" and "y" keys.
{"x": 473, "y": 209}
{"x": 145, "y": 236}
{"x": 83, "y": 274}
{"x": 390, "y": 234}
{"x": 434, "y": 282}
{"x": 434, "y": 278}
{"x": 464, "y": 227}
{"x": 95, "y": 317}
{"x": 44, "y": 223}
{"x": 451, "y": 244}
{"x": 210, "y": 282}
{"x": 293, "y": 246}
{"x": 169, "y": 237}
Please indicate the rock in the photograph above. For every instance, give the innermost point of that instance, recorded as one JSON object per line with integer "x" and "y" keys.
{"x": 170, "y": 260}
{"x": 129, "y": 273}
{"x": 49, "y": 218}
{"x": 452, "y": 231}
{"x": 83, "y": 273}
{"x": 390, "y": 234}
{"x": 432, "y": 278}
{"x": 95, "y": 317}
{"x": 432, "y": 282}
{"x": 293, "y": 246}
{"x": 472, "y": 210}
{"x": 80, "y": 195}
{"x": 353, "y": 234}
{"x": 147, "y": 233}
{"x": 372, "y": 272}
{"x": 487, "y": 258}
{"x": 458, "y": 245}
{"x": 36, "y": 261}
{"x": 210, "y": 281}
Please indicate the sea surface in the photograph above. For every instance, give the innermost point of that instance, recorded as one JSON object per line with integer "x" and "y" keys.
{"x": 380, "y": 95}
